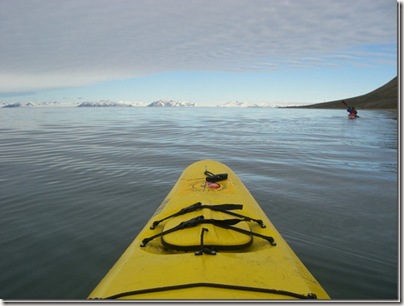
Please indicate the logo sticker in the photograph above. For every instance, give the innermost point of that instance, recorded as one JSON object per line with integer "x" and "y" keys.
{"x": 201, "y": 185}
{"x": 212, "y": 185}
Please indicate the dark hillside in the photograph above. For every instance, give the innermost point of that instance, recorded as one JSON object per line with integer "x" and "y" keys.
{"x": 384, "y": 97}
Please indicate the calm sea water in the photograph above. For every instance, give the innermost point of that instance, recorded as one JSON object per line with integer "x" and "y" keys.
{"x": 78, "y": 184}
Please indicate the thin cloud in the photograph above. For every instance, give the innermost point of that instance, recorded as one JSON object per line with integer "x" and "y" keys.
{"x": 51, "y": 44}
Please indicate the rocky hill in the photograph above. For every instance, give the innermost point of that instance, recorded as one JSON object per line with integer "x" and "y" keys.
{"x": 384, "y": 97}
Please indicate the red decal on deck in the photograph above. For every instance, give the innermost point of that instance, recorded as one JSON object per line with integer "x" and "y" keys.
{"x": 213, "y": 185}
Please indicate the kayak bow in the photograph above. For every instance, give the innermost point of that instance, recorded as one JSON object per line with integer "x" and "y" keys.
{"x": 209, "y": 239}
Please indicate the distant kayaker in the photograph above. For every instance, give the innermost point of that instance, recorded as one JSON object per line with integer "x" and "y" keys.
{"x": 352, "y": 111}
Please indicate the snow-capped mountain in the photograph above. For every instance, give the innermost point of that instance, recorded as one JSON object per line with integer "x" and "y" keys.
{"x": 103, "y": 103}
{"x": 171, "y": 103}
{"x": 19, "y": 104}
{"x": 36, "y": 104}
{"x": 109, "y": 103}
{"x": 245, "y": 104}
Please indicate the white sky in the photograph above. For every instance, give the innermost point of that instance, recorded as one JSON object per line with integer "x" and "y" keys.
{"x": 203, "y": 51}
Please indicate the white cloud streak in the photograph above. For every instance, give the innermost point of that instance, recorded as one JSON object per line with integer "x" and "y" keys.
{"x": 50, "y": 44}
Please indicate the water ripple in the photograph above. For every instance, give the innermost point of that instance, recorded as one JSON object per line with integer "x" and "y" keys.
{"x": 78, "y": 184}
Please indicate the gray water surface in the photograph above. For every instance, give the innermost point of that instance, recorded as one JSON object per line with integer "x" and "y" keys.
{"x": 78, "y": 184}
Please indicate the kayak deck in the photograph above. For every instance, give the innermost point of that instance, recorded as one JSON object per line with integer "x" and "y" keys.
{"x": 209, "y": 240}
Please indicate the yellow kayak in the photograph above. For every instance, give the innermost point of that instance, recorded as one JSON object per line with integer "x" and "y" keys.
{"x": 209, "y": 239}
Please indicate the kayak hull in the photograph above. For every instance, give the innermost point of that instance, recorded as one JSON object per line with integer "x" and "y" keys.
{"x": 211, "y": 260}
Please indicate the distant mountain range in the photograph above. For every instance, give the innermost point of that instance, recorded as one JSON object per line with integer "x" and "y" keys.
{"x": 384, "y": 97}
{"x": 14, "y": 105}
{"x": 250, "y": 104}
{"x": 109, "y": 103}
{"x": 104, "y": 103}
{"x": 101, "y": 103}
